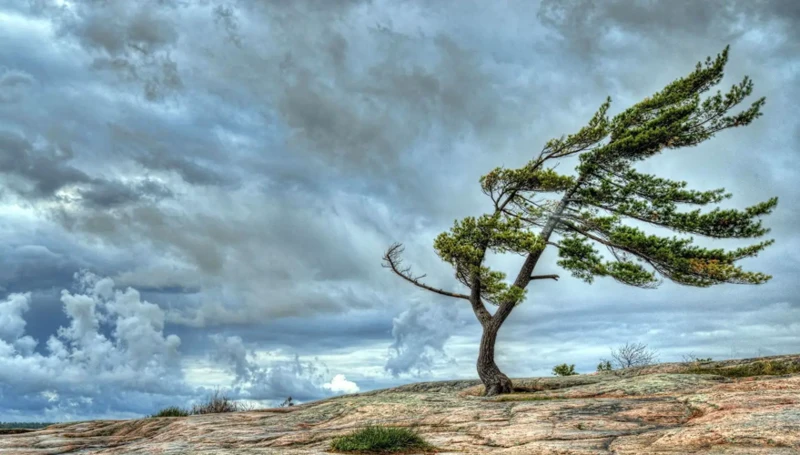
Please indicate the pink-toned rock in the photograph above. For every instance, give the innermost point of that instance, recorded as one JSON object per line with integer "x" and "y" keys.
{"x": 657, "y": 410}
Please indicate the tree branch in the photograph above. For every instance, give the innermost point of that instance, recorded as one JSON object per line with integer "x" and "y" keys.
{"x": 393, "y": 261}
{"x": 544, "y": 277}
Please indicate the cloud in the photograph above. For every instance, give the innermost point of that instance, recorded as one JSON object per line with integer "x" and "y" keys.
{"x": 14, "y": 84}
{"x": 12, "y": 325}
{"x": 130, "y": 39}
{"x": 258, "y": 381}
{"x": 420, "y": 333}
{"x": 113, "y": 358}
{"x": 81, "y": 365}
{"x": 45, "y": 172}
{"x": 340, "y": 384}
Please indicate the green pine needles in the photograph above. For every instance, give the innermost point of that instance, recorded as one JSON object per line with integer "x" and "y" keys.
{"x": 590, "y": 208}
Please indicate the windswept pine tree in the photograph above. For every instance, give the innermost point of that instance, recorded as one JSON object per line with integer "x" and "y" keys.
{"x": 593, "y": 205}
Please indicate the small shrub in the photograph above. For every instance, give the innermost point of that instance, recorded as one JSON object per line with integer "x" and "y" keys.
{"x": 216, "y": 403}
{"x": 604, "y": 365}
{"x": 376, "y": 439}
{"x": 564, "y": 370}
{"x": 172, "y": 411}
{"x": 287, "y": 402}
{"x": 632, "y": 355}
{"x": 691, "y": 358}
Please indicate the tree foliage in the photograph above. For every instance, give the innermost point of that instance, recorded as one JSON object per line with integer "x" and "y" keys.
{"x": 606, "y": 191}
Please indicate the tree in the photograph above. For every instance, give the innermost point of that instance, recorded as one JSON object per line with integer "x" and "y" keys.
{"x": 593, "y": 204}
{"x": 631, "y": 355}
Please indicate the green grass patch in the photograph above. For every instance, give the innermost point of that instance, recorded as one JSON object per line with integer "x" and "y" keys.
{"x": 377, "y": 439}
{"x": 763, "y": 368}
{"x": 172, "y": 411}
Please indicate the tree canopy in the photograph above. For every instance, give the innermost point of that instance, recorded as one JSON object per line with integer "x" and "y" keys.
{"x": 606, "y": 191}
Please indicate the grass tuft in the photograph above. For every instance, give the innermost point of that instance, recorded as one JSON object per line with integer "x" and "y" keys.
{"x": 377, "y": 439}
{"x": 216, "y": 403}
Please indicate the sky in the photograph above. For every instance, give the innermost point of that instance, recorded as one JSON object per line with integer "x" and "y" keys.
{"x": 196, "y": 194}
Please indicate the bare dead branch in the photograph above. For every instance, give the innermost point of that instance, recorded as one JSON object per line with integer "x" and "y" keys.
{"x": 544, "y": 277}
{"x": 392, "y": 261}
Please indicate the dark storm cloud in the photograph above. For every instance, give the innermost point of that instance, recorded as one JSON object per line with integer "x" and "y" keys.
{"x": 39, "y": 172}
{"x": 105, "y": 194}
{"x": 43, "y": 168}
{"x": 130, "y": 39}
{"x": 34, "y": 267}
{"x": 720, "y": 19}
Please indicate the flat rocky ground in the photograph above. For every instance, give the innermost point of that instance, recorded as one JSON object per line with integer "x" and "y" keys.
{"x": 658, "y": 410}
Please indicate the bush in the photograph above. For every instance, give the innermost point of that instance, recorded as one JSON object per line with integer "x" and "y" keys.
{"x": 632, "y": 355}
{"x": 217, "y": 403}
{"x": 564, "y": 370}
{"x": 287, "y": 402}
{"x": 603, "y": 366}
{"x": 172, "y": 411}
{"x": 376, "y": 439}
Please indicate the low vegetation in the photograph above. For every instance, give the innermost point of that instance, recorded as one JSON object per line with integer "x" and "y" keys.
{"x": 380, "y": 440}
{"x": 691, "y": 358}
{"x": 760, "y": 368}
{"x": 564, "y": 370}
{"x": 216, "y": 403}
{"x": 604, "y": 366}
{"x": 29, "y": 425}
{"x": 172, "y": 411}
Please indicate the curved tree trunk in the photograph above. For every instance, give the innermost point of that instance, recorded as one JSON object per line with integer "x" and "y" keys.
{"x": 493, "y": 379}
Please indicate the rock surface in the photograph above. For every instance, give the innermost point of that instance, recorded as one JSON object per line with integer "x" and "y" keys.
{"x": 664, "y": 409}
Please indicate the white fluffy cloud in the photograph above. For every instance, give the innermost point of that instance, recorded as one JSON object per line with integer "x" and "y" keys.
{"x": 114, "y": 342}
{"x": 340, "y": 384}
{"x": 114, "y": 359}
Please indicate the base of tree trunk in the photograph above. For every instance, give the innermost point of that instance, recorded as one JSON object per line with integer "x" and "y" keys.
{"x": 498, "y": 384}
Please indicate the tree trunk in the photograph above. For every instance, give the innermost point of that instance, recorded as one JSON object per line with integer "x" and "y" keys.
{"x": 493, "y": 379}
